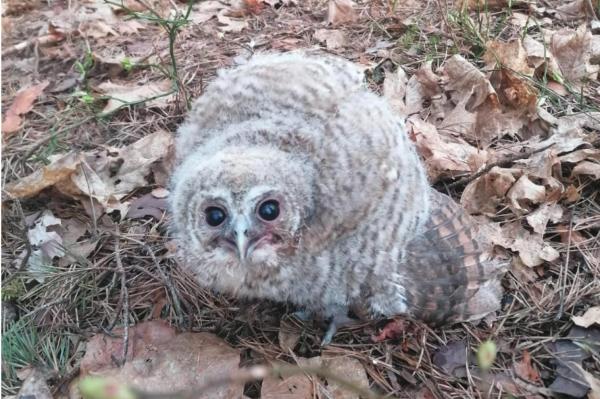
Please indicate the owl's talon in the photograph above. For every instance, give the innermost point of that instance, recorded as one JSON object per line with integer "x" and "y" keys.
{"x": 337, "y": 321}
{"x": 328, "y": 337}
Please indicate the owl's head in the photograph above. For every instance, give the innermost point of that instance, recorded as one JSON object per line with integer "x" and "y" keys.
{"x": 242, "y": 207}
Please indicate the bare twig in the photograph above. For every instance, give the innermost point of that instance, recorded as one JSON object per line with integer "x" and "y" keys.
{"x": 125, "y": 295}
{"x": 23, "y": 233}
{"x": 564, "y": 271}
{"x": 502, "y": 163}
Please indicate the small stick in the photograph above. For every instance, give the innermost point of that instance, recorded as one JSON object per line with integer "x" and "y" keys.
{"x": 125, "y": 295}
{"x": 564, "y": 271}
{"x": 28, "y": 249}
{"x": 502, "y": 162}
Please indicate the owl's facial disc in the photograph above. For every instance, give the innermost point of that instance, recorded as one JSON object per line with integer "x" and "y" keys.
{"x": 256, "y": 224}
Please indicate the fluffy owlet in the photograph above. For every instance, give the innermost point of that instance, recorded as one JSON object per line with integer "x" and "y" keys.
{"x": 296, "y": 183}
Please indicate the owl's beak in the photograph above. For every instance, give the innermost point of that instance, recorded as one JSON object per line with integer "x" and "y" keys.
{"x": 241, "y": 237}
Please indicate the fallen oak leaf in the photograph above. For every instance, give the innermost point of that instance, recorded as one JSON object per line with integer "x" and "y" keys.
{"x": 22, "y": 104}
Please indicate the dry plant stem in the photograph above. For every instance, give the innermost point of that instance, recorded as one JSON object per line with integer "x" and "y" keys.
{"x": 502, "y": 163}
{"x": 23, "y": 234}
{"x": 260, "y": 372}
{"x": 125, "y": 295}
{"x": 165, "y": 278}
{"x": 564, "y": 271}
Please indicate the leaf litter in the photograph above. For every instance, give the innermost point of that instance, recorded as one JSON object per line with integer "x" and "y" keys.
{"x": 506, "y": 125}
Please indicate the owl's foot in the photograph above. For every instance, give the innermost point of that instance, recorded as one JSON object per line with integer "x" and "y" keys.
{"x": 336, "y": 321}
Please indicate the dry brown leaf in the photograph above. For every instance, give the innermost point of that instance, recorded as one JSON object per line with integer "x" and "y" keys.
{"x": 106, "y": 176}
{"x": 587, "y": 168}
{"x": 147, "y": 205}
{"x": 392, "y": 330}
{"x": 592, "y": 380}
{"x": 394, "y": 89}
{"x": 515, "y": 92}
{"x": 525, "y": 192}
{"x": 230, "y": 24}
{"x": 205, "y": 10}
{"x": 573, "y": 51}
{"x": 481, "y": 5}
{"x": 589, "y": 318}
{"x": 162, "y": 361}
{"x": 155, "y": 94}
{"x": 539, "y": 55}
{"x": 22, "y": 104}
{"x": 293, "y": 387}
{"x": 45, "y": 177}
{"x": 575, "y": 10}
{"x": 422, "y": 86}
{"x": 484, "y": 194}
{"x": 333, "y": 38}
{"x": 46, "y": 245}
{"x": 539, "y": 218}
{"x": 340, "y": 11}
{"x": 532, "y": 249}
{"x": 349, "y": 370}
{"x": 35, "y": 385}
{"x": 526, "y": 370}
{"x": 444, "y": 155}
{"x": 511, "y": 55}
{"x": 289, "y": 335}
{"x": 464, "y": 80}
{"x": 590, "y": 154}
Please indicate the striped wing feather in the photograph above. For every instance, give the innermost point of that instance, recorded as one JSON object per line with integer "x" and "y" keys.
{"x": 454, "y": 275}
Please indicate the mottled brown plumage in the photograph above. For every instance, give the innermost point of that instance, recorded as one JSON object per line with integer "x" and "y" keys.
{"x": 296, "y": 183}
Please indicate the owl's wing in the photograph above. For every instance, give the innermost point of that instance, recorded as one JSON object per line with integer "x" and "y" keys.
{"x": 452, "y": 274}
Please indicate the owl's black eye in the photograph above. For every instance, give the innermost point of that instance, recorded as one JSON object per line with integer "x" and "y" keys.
{"x": 214, "y": 216}
{"x": 269, "y": 210}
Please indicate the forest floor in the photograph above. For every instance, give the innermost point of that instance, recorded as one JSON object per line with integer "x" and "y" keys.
{"x": 503, "y": 101}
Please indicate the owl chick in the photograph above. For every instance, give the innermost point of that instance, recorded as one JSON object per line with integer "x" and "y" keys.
{"x": 295, "y": 183}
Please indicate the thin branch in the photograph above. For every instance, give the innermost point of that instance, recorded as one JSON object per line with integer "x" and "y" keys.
{"x": 502, "y": 163}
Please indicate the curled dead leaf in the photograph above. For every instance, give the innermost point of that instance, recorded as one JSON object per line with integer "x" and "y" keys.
{"x": 524, "y": 193}
{"x": 539, "y": 218}
{"x": 444, "y": 155}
